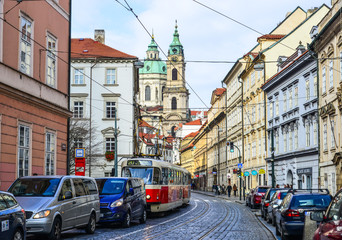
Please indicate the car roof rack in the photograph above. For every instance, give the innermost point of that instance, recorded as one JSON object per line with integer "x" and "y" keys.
{"x": 310, "y": 190}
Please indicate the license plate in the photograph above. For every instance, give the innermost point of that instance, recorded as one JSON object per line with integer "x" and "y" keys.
{"x": 101, "y": 215}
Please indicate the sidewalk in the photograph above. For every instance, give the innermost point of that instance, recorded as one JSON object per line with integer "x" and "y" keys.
{"x": 231, "y": 198}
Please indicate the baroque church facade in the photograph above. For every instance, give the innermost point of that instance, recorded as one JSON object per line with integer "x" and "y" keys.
{"x": 164, "y": 97}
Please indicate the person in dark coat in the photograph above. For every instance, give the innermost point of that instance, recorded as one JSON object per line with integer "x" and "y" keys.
{"x": 229, "y": 189}
{"x": 235, "y": 190}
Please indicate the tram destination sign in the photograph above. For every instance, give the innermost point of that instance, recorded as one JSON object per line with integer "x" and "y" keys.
{"x": 139, "y": 163}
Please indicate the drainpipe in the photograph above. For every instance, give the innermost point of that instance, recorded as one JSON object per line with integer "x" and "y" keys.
{"x": 69, "y": 83}
{"x": 90, "y": 113}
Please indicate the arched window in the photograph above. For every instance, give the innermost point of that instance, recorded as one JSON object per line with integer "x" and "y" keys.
{"x": 174, "y": 103}
{"x": 163, "y": 88}
{"x": 173, "y": 133}
{"x": 174, "y": 74}
{"x": 147, "y": 93}
{"x": 156, "y": 93}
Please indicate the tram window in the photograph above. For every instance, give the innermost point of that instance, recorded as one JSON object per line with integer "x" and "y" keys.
{"x": 165, "y": 176}
{"x": 178, "y": 177}
{"x": 156, "y": 176}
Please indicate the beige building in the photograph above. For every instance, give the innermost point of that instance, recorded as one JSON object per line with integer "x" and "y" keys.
{"x": 234, "y": 119}
{"x": 264, "y": 56}
{"x": 327, "y": 44}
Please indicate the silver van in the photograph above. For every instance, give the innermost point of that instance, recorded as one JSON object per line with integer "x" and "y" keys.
{"x": 53, "y": 204}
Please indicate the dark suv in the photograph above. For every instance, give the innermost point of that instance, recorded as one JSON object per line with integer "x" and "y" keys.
{"x": 256, "y": 194}
{"x": 290, "y": 214}
{"x": 265, "y": 201}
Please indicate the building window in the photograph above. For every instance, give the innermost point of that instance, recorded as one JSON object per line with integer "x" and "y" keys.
{"x": 271, "y": 109}
{"x": 296, "y": 96}
{"x": 174, "y": 74}
{"x": 157, "y": 94}
{"x": 331, "y": 74}
{"x": 290, "y": 98}
{"x": 307, "y": 89}
{"x": 78, "y": 109}
{"x": 260, "y": 151}
{"x": 277, "y": 106}
{"x": 147, "y": 93}
{"x": 324, "y": 81}
{"x": 325, "y": 140}
{"x": 290, "y": 140}
{"x": 163, "y": 88}
{"x": 110, "y": 109}
{"x": 315, "y": 130}
{"x": 285, "y": 102}
{"x": 307, "y": 133}
{"x": 276, "y": 143}
{"x": 23, "y": 150}
{"x": 285, "y": 142}
{"x": 111, "y": 76}
{"x": 315, "y": 86}
{"x": 110, "y": 144}
{"x": 253, "y": 79}
{"x": 79, "y": 143}
{"x": 174, "y": 103}
{"x": 51, "y": 61}
{"x": 340, "y": 66}
{"x": 25, "y": 45}
{"x": 254, "y": 149}
{"x": 50, "y": 147}
{"x": 295, "y": 138}
{"x": 332, "y": 133}
{"x": 79, "y": 76}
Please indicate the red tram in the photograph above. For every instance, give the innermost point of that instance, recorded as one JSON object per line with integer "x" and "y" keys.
{"x": 167, "y": 185}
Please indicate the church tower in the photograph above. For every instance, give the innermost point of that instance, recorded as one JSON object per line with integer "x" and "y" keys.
{"x": 175, "y": 94}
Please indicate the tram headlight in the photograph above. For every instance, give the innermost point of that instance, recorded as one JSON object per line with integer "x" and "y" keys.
{"x": 148, "y": 197}
{"x": 117, "y": 203}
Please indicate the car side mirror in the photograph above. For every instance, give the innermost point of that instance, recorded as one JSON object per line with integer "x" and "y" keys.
{"x": 317, "y": 216}
{"x": 67, "y": 195}
{"x": 131, "y": 191}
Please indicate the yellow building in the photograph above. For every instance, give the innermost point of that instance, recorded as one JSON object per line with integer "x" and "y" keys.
{"x": 328, "y": 46}
{"x": 187, "y": 153}
{"x": 282, "y": 41}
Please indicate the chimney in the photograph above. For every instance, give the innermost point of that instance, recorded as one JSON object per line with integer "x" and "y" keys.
{"x": 99, "y": 35}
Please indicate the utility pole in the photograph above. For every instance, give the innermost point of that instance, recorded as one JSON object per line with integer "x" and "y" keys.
{"x": 116, "y": 144}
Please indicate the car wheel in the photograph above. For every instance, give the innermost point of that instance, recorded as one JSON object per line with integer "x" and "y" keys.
{"x": 127, "y": 222}
{"x": 56, "y": 230}
{"x": 91, "y": 226}
{"x": 277, "y": 230}
{"x": 143, "y": 217}
{"x": 18, "y": 235}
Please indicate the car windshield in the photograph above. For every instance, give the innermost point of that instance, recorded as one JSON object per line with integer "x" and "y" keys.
{"x": 40, "y": 187}
{"x": 262, "y": 190}
{"x": 320, "y": 201}
{"x": 110, "y": 186}
{"x": 144, "y": 173}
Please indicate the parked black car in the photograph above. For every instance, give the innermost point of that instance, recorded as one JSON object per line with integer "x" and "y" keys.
{"x": 12, "y": 218}
{"x": 275, "y": 201}
{"x": 290, "y": 214}
{"x": 265, "y": 201}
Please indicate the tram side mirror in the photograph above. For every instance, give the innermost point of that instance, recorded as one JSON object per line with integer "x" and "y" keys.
{"x": 317, "y": 216}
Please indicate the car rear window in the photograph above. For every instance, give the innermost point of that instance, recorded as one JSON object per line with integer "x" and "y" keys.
{"x": 320, "y": 201}
{"x": 263, "y": 190}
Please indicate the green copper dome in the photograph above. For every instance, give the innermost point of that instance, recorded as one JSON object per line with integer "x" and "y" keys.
{"x": 156, "y": 66}
{"x": 153, "y": 45}
{"x": 176, "y": 48}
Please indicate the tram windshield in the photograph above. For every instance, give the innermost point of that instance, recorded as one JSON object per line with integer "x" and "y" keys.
{"x": 145, "y": 173}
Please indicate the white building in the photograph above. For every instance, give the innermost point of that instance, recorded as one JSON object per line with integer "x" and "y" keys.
{"x": 113, "y": 87}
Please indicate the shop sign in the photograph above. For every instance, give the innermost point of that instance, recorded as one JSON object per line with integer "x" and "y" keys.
{"x": 262, "y": 171}
{"x": 304, "y": 171}
{"x": 246, "y": 174}
{"x": 254, "y": 172}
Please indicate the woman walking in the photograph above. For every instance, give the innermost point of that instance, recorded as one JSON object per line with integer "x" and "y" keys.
{"x": 234, "y": 189}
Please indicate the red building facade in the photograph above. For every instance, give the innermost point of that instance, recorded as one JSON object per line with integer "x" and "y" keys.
{"x": 34, "y": 88}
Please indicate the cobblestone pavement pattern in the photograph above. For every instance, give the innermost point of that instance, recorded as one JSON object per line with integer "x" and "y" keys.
{"x": 205, "y": 217}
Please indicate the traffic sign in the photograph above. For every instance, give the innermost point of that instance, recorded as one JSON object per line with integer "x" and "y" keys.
{"x": 80, "y": 152}
{"x": 240, "y": 165}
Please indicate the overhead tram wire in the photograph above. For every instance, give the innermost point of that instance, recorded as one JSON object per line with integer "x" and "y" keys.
{"x": 254, "y": 30}
{"x": 136, "y": 16}
{"x": 64, "y": 61}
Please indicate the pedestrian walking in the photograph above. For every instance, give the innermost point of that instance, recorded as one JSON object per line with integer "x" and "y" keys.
{"x": 229, "y": 189}
{"x": 234, "y": 189}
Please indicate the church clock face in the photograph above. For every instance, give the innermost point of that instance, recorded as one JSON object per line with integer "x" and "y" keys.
{"x": 174, "y": 59}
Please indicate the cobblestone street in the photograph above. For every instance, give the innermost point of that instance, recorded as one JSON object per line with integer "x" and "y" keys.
{"x": 206, "y": 217}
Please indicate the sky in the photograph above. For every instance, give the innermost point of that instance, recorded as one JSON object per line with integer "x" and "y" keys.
{"x": 205, "y": 35}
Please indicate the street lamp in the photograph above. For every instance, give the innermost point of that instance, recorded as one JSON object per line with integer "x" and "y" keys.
{"x": 262, "y": 67}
